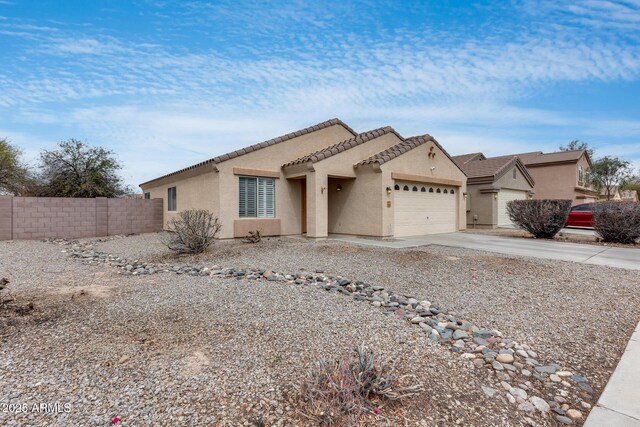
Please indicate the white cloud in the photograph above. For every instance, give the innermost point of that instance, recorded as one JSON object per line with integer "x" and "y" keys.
{"x": 162, "y": 107}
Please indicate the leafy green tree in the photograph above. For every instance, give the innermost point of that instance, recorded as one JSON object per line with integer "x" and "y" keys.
{"x": 76, "y": 169}
{"x": 13, "y": 173}
{"x": 609, "y": 172}
{"x": 576, "y": 144}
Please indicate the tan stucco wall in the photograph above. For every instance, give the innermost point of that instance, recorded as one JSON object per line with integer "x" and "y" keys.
{"x": 271, "y": 159}
{"x": 485, "y": 205}
{"x": 417, "y": 162}
{"x": 357, "y": 209}
{"x": 558, "y": 181}
{"x": 198, "y": 190}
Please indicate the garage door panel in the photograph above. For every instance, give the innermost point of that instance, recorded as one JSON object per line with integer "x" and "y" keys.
{"x": 418, "y": 212}
{"x": 504, "y": 197}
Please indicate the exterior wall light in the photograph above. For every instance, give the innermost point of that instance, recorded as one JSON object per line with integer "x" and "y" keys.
{"x": 388, "y": 190}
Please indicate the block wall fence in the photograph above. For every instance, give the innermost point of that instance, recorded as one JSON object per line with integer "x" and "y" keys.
{"x": 71, "y": 218}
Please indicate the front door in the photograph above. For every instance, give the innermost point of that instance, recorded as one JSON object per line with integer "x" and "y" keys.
{"x": 303, "y": 205}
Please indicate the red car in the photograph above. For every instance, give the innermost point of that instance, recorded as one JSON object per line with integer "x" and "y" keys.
{"x": 580, "y": 216}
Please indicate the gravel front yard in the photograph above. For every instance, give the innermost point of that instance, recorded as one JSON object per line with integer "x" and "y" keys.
{"x": 167, "y": 349}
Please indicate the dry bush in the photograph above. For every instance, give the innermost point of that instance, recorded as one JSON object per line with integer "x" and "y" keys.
{"x": 542, "y": 218}
{"x": 338, "y": 393}
{"x": 3, "y": 284}
{"x": 617, "y": 221}
{"x": 193, "y": 231}
{"x": 253, "y": 237}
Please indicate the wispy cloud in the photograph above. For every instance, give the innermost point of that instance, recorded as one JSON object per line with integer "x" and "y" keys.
{"x": 266, "y": 71}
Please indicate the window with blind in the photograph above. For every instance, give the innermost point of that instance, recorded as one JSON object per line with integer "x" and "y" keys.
{"x": 257, "y": 197}
{"x": 172, "y": 199}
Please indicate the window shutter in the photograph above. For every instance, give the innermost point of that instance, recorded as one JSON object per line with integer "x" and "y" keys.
{"x": 243, "y": 198}
{"x": 247, "y": 206}
{"x": 266, "y": 198}
{"x": 270, "y": 198}
{"x": 262, "y": 200}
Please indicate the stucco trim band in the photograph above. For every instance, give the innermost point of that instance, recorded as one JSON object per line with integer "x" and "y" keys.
{"x": 256, "y": 172}
{"x": 426, "y": 179}
{"x": 267, "y": 226}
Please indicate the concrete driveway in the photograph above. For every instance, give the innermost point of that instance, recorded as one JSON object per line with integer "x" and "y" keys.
{"x": 587, "y": 254}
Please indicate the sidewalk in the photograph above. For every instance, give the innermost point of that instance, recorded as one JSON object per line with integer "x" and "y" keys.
{"x": 619, "y": 404}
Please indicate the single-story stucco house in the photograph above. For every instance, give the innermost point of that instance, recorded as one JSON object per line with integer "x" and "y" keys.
{"x": 324, "y": 179}
{"x": 491, "y": 184}
{"x": 561, "y": 175}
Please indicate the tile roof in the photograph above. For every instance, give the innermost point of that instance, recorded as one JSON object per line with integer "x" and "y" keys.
{"x": 494, "y": 167}
{"x": 397, "y": 150}
{"x": 490, "y": 167}
{"x": 538, "y": 157}
{"x": 255, "y": 147}
{"x": 343, "y": 146}
{"x": 401, "y": 148}
{"x": 464, "y": 158}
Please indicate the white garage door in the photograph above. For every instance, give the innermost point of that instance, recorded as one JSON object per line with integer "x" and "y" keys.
{"x": 505, "y": 196}
{"x": 424, "y": 209}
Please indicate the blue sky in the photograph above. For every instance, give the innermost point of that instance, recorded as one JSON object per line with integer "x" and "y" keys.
{"x": 168, "y": 84}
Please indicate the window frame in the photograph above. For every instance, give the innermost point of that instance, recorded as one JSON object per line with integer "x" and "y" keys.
{"x": 580, "y": 174}
{"x": 147, "y": 195}
{"x": 175, "y": 199}
{"x": 260, "y": 207}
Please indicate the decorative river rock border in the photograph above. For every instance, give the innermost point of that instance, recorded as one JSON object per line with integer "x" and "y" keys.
{"x": 522, "y": 376}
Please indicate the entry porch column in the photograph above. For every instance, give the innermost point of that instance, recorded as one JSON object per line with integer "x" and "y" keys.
{"x": 317, "y": 205}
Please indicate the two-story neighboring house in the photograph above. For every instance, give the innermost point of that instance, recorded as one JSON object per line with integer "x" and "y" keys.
{"x": 561, "y": 175}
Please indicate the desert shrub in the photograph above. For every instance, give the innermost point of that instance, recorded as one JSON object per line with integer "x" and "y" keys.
{"x": 338, "y": 393}
{"x": 193, "y": 231}
{"x": 253, "y": 237}
{"x": 617, "y": 221}
{"x": 542, "y": 218}
{"x": 3, "y": 284}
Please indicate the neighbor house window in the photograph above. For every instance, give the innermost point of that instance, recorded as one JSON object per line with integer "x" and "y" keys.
{"x": 172, "y": 199}
{"x": 257, "y": 197}
{"x": 514, "y": 173}
{"x": 147, "y": 195}
{"x": 580, "y": 174}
